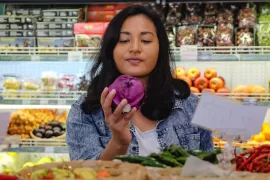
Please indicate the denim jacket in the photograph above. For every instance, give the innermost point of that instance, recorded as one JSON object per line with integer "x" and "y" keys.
{"x": 88, "y": 134}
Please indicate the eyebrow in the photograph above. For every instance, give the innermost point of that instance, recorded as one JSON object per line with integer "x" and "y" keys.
{"x": 142, "y": 33}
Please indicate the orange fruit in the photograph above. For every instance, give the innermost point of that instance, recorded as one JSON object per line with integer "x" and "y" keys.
{"x": 259, "y": 137}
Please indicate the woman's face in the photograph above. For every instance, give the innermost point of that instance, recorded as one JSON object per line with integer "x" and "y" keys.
{"x": 136, "y": 52}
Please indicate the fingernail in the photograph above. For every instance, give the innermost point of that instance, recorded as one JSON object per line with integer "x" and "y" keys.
{"x": 113, "y": 91}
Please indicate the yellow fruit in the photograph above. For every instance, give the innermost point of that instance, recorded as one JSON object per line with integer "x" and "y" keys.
{"x": 259, "y": 137}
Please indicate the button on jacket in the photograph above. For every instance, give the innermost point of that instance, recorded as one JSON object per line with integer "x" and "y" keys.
{"x": 88, "y": 134}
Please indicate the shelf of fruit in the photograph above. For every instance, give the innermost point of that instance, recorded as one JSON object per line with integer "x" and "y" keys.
{"x": 228, "y": 53}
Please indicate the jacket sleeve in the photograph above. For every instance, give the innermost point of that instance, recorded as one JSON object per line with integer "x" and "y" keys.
{"x": 82, "y": 135}
{"x": 206, "y": 140}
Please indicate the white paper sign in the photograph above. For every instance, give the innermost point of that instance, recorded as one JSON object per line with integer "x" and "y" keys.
{"x": 188, "y": 53}
{"x": 4, "y": 122}
{"x": 228, "y": 117}
{"x": 75, "y": 56}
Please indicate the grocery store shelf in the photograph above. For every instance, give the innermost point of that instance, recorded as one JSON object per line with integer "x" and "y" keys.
{"x": 15, "y": 107}
{"x": 252, "y": 53}
{"x": 119, "y": 1}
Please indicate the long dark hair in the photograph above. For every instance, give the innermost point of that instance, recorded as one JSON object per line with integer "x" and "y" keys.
{"x": 161, "y": 90}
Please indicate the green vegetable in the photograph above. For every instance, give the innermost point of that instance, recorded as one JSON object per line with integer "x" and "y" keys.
{"x": 133, "y": 158}
{"x": 153, "y": 164}
{"x": 165, "y": 159}
{"x": 176, "y": 151}
{"x": 181, "y": 160}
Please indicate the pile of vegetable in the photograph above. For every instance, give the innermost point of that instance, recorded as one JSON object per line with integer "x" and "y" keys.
{"x": 256, "y": 160}
{"x": 172, "y": 156}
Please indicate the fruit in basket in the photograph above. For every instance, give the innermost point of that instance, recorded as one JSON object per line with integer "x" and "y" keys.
{"x": 216, "y": 83}
{"x": 179, "y": 72}
{"x": 259, "y": 137}
{"x": 258, "y": 89}
{"x": 240, "y": 89}
{"x": 193, "y": 73}
{"x": 210, "y": 73}
{"x": 194, "y": 90}
{"x": 53, "y": 129}
{"x": 201, "y": 83}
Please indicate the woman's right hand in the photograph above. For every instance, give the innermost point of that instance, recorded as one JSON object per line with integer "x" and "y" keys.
{"x": 118, "y": 122}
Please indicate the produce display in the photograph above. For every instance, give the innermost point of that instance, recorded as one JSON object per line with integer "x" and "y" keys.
{"x": 186, "y": 35}
{"x": 206, "y": 36}
{"x": 255, "y": 160}
{"x": 245, "y": 37}
{"x": 51, "y": 130}
{"x": 172, "y": 156}
{"x": 24, "y": 121}
{"x": 200, "y": 82}
{"x": 263, "y": 34}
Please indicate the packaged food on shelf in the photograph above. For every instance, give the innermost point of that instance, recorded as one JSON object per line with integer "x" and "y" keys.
{"x": 171, "y": 35}
{"x": 17, "y": 33}
{"x": 15, "y": 43}
{"x": 11, "y": 82}
{"x": 263, "y": 35}
{"x": 159, "y": 8}
{"x": 90, "y": 28}
{"x": 22, "y": 26}
{"x": 30, "y": 84}
{"x": 66, "y": 81}
{"x": 210, "y": 14}
{"x": 23, "y": 12}
{"x": 61, "y": 12}
{"x": 47, "y": 25}
{"x": 264, "y": 16}
{"x": 48, "y": 44}
{"x": 48, "y": 78}
{"x": 247, "y": 17}
{"x": 54, "y": 33}
{"x": 209, "y": 20}
{"x": 186, "y": 35}
{"x": 245, "y": 37}
{"x": 192, "y": 19}
{"x": 206, "y": 36}
{"x": 101, "y": 13}
{"x": 17, "y": 19}
{"x": 174, "y": 14}
{"x": 210, "y": 9}
{"x": 193, "y": 7}
{"x": 84, "y": 40}
{"x": 58, "y": 19}
{"x": 30, "y": 88}
{"x": 224, "y": 36}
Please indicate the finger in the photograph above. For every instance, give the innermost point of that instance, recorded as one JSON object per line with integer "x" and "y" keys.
{"x": 129, "y": 115}
{"x": 103, "y": 95}
{"x": 108, "y": 103}
{"x": 119, "y": 109}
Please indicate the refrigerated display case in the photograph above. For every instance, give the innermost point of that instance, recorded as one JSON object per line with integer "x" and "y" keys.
{"x": 48, "y": 72}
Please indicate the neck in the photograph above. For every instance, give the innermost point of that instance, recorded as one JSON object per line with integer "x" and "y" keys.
{"x": 144, "y": 81}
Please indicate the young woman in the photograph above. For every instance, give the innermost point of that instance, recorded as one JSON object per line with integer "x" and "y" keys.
{"x": 135, "y": 43}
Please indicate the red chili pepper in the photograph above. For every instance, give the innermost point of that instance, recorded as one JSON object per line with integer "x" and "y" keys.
{"x": 7, "y": 177}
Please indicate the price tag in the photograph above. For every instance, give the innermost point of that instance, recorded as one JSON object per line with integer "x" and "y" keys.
{"x": 49, "y": 149}
{"x": 189, "y": 53}
{"x": 35, "y": 58}
{"x": 75, "y": 56}
{"x": 4, "y": 122}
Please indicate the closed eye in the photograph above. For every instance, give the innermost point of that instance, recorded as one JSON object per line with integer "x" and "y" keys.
{"x": 146, "y": 42}
{"x": 123, "y": 41}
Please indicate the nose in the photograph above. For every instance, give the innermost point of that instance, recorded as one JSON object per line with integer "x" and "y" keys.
{"x": 135, "y": 47}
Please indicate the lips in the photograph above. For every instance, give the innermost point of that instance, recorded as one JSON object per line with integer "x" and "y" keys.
{"x": 134, "y": 61}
